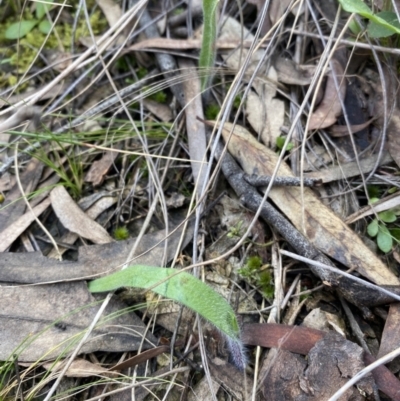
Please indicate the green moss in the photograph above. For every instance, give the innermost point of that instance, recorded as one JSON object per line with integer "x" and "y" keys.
{"x": 258, "y": 275}
{"x": 21, "y": 53}
{"x": 121, "y": 233}
{"x": 211, "y": 111}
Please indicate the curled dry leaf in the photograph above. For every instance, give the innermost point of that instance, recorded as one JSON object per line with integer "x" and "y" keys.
{"x": 330, "y": 107}
{"x": 73, "y": 217}
{"x": 308, "y": 214}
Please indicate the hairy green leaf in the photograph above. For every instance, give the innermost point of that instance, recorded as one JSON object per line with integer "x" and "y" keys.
{"x": 182, "y": 287}
{"x": 207, "y": 52}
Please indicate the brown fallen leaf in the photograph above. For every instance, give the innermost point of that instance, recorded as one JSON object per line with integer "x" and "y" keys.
{"x": 330, "y": 107}
{"x": 12, "y": 232}
{"x": 195, "y": 129}
{"x": 187, "y": 44}
{"x": 73, "y": 217}
{"x": 343, "y": 130}
{"x": 390, "y": 336}
{"x": 93, "y": 260}
{"x": 265, "y": 112}
{"x": 317, "y": 222}
{"x": 291, "y": 73}
{"x": 348, "y": 170}
{"x": 33, "y": 333}
{"x": 162, "y": 111}
{"x": 79, "y": 368}
{"x": 93, "y": 212}
{"x": 99, "y": 168}
{"x": 14, "y": 205}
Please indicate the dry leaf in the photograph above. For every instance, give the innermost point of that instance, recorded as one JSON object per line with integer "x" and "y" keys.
{"x": 162, "y": 111}
{"x": 195, "y": 128}
{"x": 321, "y": 320}
{"x": 317, "y": 222}
{"x": 330, "y": 107}
{"x": 12, "y": 232}
{"x": 265, "y": 113}
{"x": 291, "y": 73}
{"x": 79, "y": 368}
{"x": 74, "y": 219}
{"x": 389, "y": 203}
{"x": 93, "y": 212}
{"x": 99, "y": 168}
{"x": 75, "y": 308}
{"x": 348, "y": 170}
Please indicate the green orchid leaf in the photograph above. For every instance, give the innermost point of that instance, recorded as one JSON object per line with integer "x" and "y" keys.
{"x": 377, "y": 29}
{"x": 20, "y": 29}
{"x": 381, "y": 24}
{"x": 207, "y": 52}
{"x": 357, "y": 7}
{"x": 183, "y": 288}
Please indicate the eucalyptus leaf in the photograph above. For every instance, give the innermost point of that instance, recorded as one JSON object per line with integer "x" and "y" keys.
{"x": 20, "y": 29}
{"x": 182, "y": 287}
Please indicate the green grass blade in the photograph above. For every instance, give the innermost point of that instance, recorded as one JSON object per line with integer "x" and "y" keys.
{"x": 182, "y": 287}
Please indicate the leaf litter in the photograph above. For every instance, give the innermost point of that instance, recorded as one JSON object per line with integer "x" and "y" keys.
{"x": 148, "y": 191}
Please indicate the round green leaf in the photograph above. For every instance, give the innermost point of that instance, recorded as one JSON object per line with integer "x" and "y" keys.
{"x": 45, "y": 26}
{"x": 41, "y": 9}
{"x": 19, "y": 29}
{"x": 387, "y": 216}
{"x": 384, "y": 240}
{"x": 373, "y": 228}
{"x": 183, "y": 288}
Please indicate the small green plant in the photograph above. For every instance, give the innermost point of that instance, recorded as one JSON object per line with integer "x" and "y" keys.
{"x": 212, "y": 110}
{"x": 235, "y": 231}
{"x": 380, "y": 25}
{"x": 384, "y": 235}
{"x": 121, "y": 233}
{"x": 280, "y": 141}
{"x": 21, "y": 28}
{"x": 257, "y": 274}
